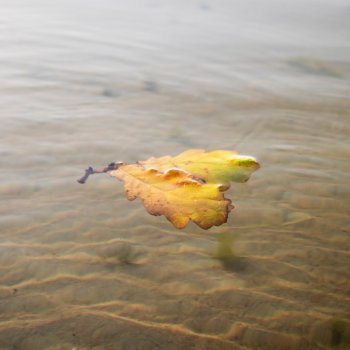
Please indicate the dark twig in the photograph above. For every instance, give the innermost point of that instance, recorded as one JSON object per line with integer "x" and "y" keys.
{"x": 90, "y": 170}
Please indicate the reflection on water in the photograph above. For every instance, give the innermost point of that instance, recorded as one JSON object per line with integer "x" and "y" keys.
{"x": 87, "y": 83}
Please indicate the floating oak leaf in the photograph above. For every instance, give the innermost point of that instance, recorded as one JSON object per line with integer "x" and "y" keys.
{"x": 213, "y": 167}
{"x": 187, "y": 187}
{"x": 176, "y": 194}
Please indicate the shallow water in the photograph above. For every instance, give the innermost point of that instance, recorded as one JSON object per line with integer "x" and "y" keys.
{"x": 86, "y": 84}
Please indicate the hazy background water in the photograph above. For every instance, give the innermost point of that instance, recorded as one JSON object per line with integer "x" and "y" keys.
{"x": 86, "y": 83}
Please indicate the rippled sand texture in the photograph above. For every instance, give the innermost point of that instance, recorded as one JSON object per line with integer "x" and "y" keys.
{"x": 83, "y": 268}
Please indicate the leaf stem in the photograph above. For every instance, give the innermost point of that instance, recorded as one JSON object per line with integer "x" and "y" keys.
{"x": 90, "y": 170}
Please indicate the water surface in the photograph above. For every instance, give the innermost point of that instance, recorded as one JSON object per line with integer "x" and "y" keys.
{"x": 86, "y": 84}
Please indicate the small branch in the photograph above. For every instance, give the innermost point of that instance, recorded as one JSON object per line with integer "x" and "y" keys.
{"x": 90, "y": 170}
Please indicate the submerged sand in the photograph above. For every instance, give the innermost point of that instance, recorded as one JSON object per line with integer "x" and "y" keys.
{"x": 83, "y": 268}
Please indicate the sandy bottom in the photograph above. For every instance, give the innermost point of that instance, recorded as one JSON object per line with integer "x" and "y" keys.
{"x": 83, "y": 268}
{"x": 88, "y": 83}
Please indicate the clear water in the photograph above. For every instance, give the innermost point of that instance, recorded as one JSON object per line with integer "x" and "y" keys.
{"x": 86, "y": 83}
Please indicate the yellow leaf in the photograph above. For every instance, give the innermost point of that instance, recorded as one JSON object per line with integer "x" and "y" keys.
{"x": 186, "y": 187}
{"x": 175, "y": 194}
{"x": 216, "y": 167}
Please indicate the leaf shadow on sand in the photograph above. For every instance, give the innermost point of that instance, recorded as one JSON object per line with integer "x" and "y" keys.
{"x": 225, "y": 254}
